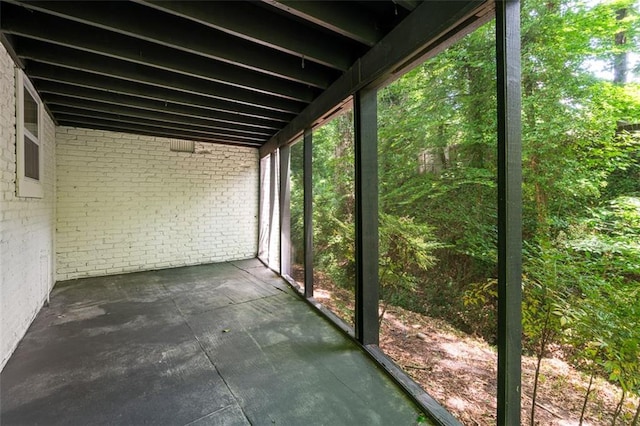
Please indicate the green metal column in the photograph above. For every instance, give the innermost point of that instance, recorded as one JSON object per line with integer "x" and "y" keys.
{"x": 509, "y": 211}
{"x": 285, "y": 211}
{"x": 307, "y": 165}
{"x": 366, "y": 187}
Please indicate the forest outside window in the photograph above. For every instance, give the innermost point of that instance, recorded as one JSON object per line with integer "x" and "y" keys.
{"x": 28, "y": 139}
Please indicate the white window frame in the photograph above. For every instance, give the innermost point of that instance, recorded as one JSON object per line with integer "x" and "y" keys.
{"x": 27, "y": 186}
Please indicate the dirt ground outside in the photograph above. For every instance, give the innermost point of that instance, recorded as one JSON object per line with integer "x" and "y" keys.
{"x": 460, "y": 370}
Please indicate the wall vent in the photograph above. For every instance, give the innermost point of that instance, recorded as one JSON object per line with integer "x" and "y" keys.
{"x": 182, "y": 146}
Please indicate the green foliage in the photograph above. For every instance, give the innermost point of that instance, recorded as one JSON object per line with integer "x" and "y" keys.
{"x": 406, "y": 248}
{"x": 546, "y": 283}
{"x": 437, "y": 174}
{"x": 481, "y": 303}
{"x": 333, "y": 194}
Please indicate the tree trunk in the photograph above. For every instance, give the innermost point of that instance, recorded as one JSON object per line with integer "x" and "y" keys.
{"x": 618, "y": 409}
{"x": 620, "y": 60}
{"x": 636, "y": 417}
{"x": 544, "y": 339}
{"x": 534, "y": 396}
{"x": 586, "y": 399}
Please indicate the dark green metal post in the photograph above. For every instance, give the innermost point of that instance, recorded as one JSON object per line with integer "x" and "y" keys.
{"x": 366, "y": 186}
{"x": 509, "y": 211}
{"x": 285, "y": 211}
{"x": 307, "y": 165}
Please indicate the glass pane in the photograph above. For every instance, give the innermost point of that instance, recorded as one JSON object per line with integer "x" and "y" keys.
{"x": 333, "y": 216}
{"x": 31, "y": 159}
{"x": 30, "y": 113}
{"x": 437, "y": 206}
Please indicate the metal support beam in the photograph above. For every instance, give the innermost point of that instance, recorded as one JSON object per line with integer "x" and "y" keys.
{"x": 509, "y": 211}
{"x": 366, "y": 212}
{"x": 285, "y": 211}
{"x": 307, "y": 165}
{"x": 429, "y": 27}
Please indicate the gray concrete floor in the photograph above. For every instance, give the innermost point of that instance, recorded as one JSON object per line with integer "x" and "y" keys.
{"x": 220, "y": 344}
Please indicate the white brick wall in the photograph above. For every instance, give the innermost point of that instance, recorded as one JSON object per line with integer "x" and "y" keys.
{"x": 126, "y": 203}
{"x": 26, "y": 225}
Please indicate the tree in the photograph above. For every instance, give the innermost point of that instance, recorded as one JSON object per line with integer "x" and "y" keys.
{"x": 438, "y": 187}
{"x": 544, "y": 310}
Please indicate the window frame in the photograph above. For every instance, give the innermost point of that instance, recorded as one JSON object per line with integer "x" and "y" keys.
{"x": 27, "y": 187}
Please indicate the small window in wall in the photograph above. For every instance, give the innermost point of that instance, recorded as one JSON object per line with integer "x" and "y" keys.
{"x": 28, "y": 139}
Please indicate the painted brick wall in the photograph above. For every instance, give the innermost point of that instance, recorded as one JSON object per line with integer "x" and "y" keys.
{"x": 126, "y": 203}
{"x": 26, "y": 225}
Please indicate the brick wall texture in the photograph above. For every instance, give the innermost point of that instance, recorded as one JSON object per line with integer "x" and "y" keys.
{"x": 27, "y": 225}
{"x": 127, "y": 203}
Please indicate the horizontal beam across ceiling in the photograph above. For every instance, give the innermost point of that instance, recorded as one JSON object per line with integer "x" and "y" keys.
{"x": 89, "y": 62}
{"x": 429, "y": 26}
{"x": 70, "y": 105}
{"x": 52, "y": 90}
{"x": 151, "y": 25}
{"x": 19, "y": 21}
{"x": 74, "y": 79}
{"x": 271, "y": 29}
{"x": 341, "y": 17}
{"x": 116, "y": 126}
{"x": 408, "y": 4}
{"x": 69, "y": 114}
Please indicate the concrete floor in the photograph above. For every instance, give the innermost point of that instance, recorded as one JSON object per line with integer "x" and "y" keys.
{"x": 221, "y": 344}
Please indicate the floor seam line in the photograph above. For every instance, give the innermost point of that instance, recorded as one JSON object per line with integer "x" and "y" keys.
{"x": 213, "y": 364}
{"x": 209, "y": 414}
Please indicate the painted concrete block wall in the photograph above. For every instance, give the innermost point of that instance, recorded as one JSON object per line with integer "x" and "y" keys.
{"x": 27, "y": 225}
{"x": 127, "y": 203}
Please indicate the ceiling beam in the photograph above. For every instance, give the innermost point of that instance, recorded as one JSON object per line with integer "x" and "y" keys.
{"x": 344, "y": 18}
{"x": 19, "y": 21}
{"x": 108, "y": 125}
{"x": 73, "y": 79}
{"x": 408, "y": 4}
{"x": 256, "y": 24}
{"x": 52, "y": 93}
{"x": 70, "y": 114}
{"x": 148, "y": 24}
{"x": 89, "y": 62}
{"x": 431, "y": 25}
{"x": 151, "y": 132}
{"x": 59, "y": 104}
